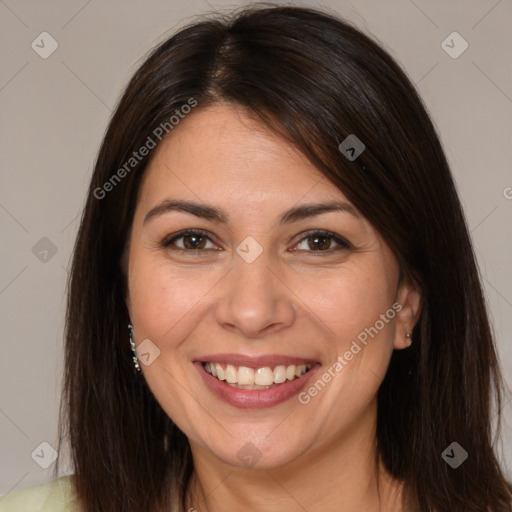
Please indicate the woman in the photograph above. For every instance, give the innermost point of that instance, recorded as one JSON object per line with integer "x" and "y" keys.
{"x": 274, "y": 302}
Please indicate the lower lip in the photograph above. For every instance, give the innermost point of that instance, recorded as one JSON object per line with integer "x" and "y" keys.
{"x": 255, "y": 398}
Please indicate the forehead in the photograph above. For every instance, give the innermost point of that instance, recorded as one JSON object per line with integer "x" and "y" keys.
{"x": 221, "y": 151}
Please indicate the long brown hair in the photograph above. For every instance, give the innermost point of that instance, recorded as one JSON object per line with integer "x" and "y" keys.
{"x": 315, "y": 80}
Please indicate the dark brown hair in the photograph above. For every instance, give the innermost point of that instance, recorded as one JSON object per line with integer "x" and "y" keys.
{"x": 313, "y": 79}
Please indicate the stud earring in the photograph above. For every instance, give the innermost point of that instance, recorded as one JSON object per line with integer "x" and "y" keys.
{"x": 134, "y": 350}
{"x": 408, "y": 335}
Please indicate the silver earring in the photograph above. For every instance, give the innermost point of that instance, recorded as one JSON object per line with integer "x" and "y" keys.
{"x": 408, "y": 336}
{"x": 134, "y": 350}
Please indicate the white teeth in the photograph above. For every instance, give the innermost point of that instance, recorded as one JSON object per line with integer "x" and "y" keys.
{"x": 231, "y": 374}
{"x": 264, "y": 377}
{"x": 279, "y": 374}
{"x": 261, "y": 378}
{"x": 290, "y": 372}
{"x": 246, "y": 376}
{"x": 220, "y": 372}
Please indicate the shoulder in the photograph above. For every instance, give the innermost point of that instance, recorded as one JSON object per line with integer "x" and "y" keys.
{"x": 54, "y": 496}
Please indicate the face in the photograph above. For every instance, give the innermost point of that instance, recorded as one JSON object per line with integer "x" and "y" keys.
{"x": 235, "y": 269}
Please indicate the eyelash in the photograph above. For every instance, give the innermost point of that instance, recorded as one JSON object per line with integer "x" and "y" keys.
{"x": 342, "y": 243}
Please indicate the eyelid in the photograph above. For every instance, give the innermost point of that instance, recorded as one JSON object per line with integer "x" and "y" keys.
{"x": 342, "y": 242}
{"x": 169, "y": 240}
{"x": 338, "y": 239}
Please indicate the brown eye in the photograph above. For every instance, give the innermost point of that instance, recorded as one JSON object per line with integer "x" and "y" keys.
{"x": 189, "y": 241}
{"x": 194, "y": 241}
{"x": 322, "y": 241}
{"x": 319, "y": 242}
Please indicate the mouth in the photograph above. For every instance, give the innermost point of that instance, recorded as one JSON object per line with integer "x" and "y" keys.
{"x": 265, "y": 377}
{"x": 249, "y": 383}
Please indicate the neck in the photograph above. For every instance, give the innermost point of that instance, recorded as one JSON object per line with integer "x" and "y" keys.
{"x": 344, "y": 476}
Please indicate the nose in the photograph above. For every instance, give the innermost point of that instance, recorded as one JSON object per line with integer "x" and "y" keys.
{"x": 254, "y": 300}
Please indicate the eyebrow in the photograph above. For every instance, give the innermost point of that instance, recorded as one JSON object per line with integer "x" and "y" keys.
{"x": 218, "y": 215}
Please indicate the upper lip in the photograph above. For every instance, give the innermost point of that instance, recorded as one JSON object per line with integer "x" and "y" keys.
{"x": 271, "y": 360}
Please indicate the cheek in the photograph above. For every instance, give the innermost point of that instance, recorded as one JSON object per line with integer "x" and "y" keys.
{"x": 163, "y": 301}
{"x": 348, "y": 300}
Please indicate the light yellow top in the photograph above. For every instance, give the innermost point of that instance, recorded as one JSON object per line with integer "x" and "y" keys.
{"x": 54, "y": 496}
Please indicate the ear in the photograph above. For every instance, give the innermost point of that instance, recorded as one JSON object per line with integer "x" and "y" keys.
{"x": 409, "y": 298}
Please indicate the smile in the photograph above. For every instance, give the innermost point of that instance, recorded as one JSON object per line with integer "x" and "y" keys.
{"x": 255, "y": 383}
{"x": 266, "y": 377}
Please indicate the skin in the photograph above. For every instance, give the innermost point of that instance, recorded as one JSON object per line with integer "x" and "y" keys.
{"x": 318, "y": 456}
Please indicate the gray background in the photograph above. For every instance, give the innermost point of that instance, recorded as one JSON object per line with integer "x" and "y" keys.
{"x": 54, "y": 112}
